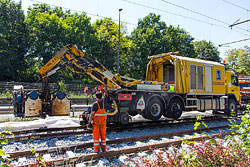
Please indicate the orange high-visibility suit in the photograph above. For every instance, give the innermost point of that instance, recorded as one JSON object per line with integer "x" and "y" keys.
{"x": 99, "y": 127}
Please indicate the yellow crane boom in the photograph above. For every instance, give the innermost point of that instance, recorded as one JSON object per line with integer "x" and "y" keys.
{"x": 96, "y": 70}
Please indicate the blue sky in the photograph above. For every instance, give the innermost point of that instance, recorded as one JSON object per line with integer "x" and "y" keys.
{"x": 202, "y": 19}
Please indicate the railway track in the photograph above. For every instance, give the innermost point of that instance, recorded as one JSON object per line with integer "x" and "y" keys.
{"x": 50, "y": 133}
{"x": 26, "y": 135}
{"x": 116, "y": 152}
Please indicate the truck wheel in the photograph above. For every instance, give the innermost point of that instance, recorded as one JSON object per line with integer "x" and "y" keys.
{"x": 124, "y": 118}
{"x": 144, "y": 115}
{"x": 232, "y": 107}
{"x": 175, "y": 108}
{"x": 167, "y": 114}
{"x": 154, "y": 109}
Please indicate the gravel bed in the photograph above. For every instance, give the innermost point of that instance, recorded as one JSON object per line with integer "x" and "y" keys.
{"x": 120, "y": 160}
{"x": 77, "y": 139}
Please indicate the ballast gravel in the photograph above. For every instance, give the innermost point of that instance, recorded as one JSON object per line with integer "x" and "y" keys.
{"x": 44, "y": 143}
{"x": 119, "y": 161}
{"x": 84, "y": 138}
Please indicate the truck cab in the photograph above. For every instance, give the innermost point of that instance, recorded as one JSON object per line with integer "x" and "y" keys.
{"x": 232, "y": 85}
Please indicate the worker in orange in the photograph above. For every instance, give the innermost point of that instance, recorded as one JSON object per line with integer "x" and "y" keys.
{"x": 98, "y": 117}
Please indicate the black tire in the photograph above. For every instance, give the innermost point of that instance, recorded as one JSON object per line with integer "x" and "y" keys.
{"x": 144, "y": 115}
{"x": 153, "y": 110}
{"x": 231, "y": 107}
{"x": 167, "y": 114}
{"x": 175, "y": 108}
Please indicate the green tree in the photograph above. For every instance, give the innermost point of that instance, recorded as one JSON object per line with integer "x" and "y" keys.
{"x": 107, "y": 34}
{"x": 152, "y": 36}
{"x": 238, "y": 60}
{"x": 206, "y": 51}
{"x": 13, "y": 41}
{"x": 51, "y": 29}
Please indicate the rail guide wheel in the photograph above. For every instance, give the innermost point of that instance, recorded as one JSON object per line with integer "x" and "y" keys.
{"x": 124, "y": 118}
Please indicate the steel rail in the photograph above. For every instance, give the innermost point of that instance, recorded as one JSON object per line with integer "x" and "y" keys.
{"x": 163, "y": 122}
{"x": 112, "y": 142}
{"x": 78, "y": 132}
{"x": 109, "y": 154}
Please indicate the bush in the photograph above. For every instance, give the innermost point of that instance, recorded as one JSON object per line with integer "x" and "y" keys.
{"x": 6, "y": 93}
{"x": 208, "y": 153}
{"x": 230, "y": 151}
{"x": 4, "y": 161}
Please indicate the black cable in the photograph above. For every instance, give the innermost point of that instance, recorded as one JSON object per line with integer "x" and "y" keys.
{"x": 234, "y": 42}
{"x": 200, "y": 14}
{"x": 97, "y": 15}
{"x": 138, "y": 4}
{"x": 237, "y": 23}
{"x": 236, "y": 5}
{"x": 168, "y": 13}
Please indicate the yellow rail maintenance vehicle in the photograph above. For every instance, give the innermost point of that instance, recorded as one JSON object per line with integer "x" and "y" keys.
{"x": 173, "y": 84}
{"x": 194, "y": 84}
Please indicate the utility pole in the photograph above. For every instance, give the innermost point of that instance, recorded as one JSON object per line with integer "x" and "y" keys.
{"x": 119, "y": 42}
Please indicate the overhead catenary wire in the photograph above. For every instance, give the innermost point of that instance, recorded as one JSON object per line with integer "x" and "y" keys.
{"x": 138, "y": 4}
{"x": 198, "y": 13}
{"x": 236, "y": 5}
{"x": 220, "y": 45}
{"x": 96, "y": 15}
{"x": 194, "y": 19}
{"x": 237, "y": 23}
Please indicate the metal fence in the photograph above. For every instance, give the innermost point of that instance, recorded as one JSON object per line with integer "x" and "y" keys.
{"x": 77, "y": 105}
{"x": 69, "y": 88}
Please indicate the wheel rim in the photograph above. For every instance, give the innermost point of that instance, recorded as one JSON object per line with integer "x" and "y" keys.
{"x": 124, "y": 119}
{"x": 176, "y": 108}
{"x": 155, "y": 109}
{"x": 232, "y": 107}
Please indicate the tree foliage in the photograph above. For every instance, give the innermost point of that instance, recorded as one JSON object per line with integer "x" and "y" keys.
{"x": 238, "y": 60}
{"x": 13, "y": 41}
{"x": 152, "y": 36}
{"x": 51, "y": 29}
{"x": 28, "y": 42}
{"x": 206, "y": 51}
{"x": 107, "y": 34}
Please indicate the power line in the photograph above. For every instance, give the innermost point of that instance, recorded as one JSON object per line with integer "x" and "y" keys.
{"x": 149, "y": 7}
{"x": 97, "y": 15}
{"x": 236, "y": 5}
{"x": 138, "y": 4}
{"x": 234, "y": 42}
{"x": 234, "y": 24}
{"x": 194, "y": 12}
{"x": 200, "y": 14}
